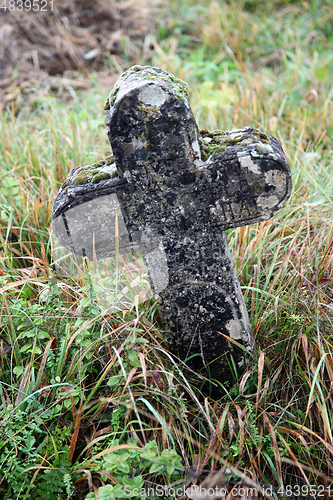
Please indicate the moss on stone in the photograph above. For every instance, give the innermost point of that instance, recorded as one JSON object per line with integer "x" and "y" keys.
{"x": 112, "y": 97}
{"x": 216, "y": 142}
{"x": 82, "y": 178}
{"x": 103, "y": 176}
{"x": 107, "y": 105}
{"x": 261, "y": 136}
{"x": 93, "y": 173}
{"x": 212, "y": 143}
{"x": 108, "y": 160}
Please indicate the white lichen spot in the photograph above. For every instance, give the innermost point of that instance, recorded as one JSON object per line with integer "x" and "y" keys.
{"x": 197, "y": 160}
{"x": 235, "y": 329}
{"x": 152, "y": 95}
{"x": 127, "y": 174}
{"x": 264, "y": 148}
{"x": 267, "y": 202}
{"x": 196, "y": 147}
{"x": 109, "y": 168}
{"x": 156, "y": 262}
{"x": 248, "y": 140}
{"x": 236, "y": 134}
{"x": 276, "y": 178}
{"x": 138, "y": 143}
{"x": 254, "y": 153}
{"x": 246, "y": 162}
{"x": 203, "y": 165}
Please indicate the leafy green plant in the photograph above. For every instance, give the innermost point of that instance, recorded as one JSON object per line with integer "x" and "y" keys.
{"x": 133, "y": 469}
{"x": 25, "y": 439}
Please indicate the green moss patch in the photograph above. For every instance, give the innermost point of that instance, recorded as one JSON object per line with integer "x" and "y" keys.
{"x": 218, "y": 141}
{"x": 92, "y": 173}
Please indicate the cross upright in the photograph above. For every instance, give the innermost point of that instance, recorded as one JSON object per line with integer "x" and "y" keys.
{"x": 177, "y": 190}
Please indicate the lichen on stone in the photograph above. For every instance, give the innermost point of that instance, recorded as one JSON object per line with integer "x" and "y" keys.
{"x": 263, "y": 147}
{"x": 147, "y": 111}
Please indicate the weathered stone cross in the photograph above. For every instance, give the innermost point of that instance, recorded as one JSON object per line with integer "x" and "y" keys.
{"x": 175, "y": 191}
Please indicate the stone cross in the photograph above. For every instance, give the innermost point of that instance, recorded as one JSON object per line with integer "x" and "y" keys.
{"x": 174, "y": 191}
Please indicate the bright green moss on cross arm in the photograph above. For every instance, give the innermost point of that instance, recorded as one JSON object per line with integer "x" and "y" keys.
{"x": 94, "y": 173}
{"x": 103, "y": 176}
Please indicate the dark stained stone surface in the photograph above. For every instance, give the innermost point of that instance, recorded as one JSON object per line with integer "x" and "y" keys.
{"x": 174, "y": 191}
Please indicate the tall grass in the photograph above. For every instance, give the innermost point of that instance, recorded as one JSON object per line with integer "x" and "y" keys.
{"x": 91, "y": 399}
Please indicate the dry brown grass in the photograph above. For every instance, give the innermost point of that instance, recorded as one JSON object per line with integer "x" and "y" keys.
{"x": 62, "y": 47}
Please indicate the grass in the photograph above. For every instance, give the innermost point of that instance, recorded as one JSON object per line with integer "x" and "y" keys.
{"x": 91, "y": 400}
